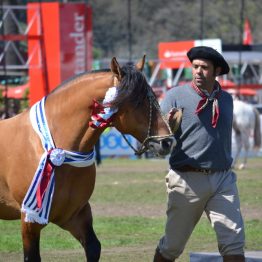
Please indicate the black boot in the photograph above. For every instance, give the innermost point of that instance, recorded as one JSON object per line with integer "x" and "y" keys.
{"x": 159, "y": 258}
{"x": 234, "y": 258}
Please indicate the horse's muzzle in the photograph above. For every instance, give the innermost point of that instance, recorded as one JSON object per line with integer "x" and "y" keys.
{"x": 161, "y": 146}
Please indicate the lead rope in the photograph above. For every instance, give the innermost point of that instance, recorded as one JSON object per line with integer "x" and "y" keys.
{"x": 142, "y": 148}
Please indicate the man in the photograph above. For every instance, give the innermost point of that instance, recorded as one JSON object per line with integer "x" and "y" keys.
{"x": 200, "y": 178}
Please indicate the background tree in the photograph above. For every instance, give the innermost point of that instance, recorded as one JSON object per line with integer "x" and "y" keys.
{"x": 169, "y": 20}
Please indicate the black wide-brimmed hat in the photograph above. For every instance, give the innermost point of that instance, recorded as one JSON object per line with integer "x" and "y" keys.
{"x": 211, "y": 54}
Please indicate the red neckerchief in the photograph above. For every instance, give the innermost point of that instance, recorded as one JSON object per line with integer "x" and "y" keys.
{"x": 205, "y": 100}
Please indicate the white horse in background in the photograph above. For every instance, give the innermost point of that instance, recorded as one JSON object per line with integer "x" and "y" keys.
{"x": 246, "y": 124}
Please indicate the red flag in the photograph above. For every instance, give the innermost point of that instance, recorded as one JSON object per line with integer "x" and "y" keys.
{"x": 247, "y": 37}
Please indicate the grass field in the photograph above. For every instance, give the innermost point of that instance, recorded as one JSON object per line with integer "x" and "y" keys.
{"x": 129, "y": 216}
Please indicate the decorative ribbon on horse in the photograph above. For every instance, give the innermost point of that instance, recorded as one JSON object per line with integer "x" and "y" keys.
{"x": 102, "y": 114}
{"x": 46, "y": 176}
{"x": 37, "y": 202}
{"x": 206, "y": 99}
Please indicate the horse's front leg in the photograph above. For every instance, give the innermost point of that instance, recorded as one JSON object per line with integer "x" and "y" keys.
{"x": 81, "y": 227}
{"x": 31, "y": 239}
{"x": 243, "y": 165}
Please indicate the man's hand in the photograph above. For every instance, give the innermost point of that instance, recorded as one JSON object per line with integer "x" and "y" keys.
{"x": 174, "y": 117}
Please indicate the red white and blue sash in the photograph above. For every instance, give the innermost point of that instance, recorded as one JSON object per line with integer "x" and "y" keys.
{"x": 38, "y": 200}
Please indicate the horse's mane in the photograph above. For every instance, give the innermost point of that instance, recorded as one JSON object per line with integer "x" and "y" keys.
{"x": 74, "y": 78}
{"x": 133, "y": 87}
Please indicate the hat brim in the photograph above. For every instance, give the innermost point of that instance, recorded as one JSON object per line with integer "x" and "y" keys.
{"x": 209, "y": 54}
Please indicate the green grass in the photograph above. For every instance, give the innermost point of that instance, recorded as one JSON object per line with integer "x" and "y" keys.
{"x": 10, "y": 238}
{"x": 129, "y": 232}
{"x": 124, "y": 184}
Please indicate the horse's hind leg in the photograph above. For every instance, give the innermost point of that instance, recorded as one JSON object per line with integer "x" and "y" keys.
{"x": 31, "y": 239}
{"x": 246, "y": 147}
{"x": 81, "y": 227}
{"x": 238, "y": 140}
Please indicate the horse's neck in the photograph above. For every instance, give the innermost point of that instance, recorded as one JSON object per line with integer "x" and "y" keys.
{"x": 69, "y": 111}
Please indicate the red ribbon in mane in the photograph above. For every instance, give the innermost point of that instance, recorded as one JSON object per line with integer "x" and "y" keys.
{"x": 99, "y": 109}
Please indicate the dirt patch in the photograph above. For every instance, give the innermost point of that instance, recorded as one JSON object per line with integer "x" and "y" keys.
{"x": 153, "y": 210}
{"x": 148, "y": 211}
{"x": 156, "y": 211}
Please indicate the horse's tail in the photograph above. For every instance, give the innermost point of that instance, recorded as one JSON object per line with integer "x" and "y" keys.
{"x": 257, "y": 130}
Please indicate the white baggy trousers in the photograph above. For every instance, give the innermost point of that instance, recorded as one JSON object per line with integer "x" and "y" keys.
{"x": 192, "y": 193}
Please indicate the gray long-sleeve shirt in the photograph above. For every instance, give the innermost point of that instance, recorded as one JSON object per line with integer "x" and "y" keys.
{"x": 198, "y": 143}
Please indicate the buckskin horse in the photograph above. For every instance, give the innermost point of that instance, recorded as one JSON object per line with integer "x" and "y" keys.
{"x": 47, "y": 159}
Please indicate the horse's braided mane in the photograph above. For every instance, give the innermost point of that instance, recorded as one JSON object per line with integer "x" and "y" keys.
{"x": 133, "y": 87}
{"x": 71, "y": 79}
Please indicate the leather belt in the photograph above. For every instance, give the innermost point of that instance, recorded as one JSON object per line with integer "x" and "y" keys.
{"x": 194, "y": 169}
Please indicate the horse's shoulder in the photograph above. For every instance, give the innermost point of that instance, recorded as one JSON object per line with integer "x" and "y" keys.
{"x": 243, "y": 105}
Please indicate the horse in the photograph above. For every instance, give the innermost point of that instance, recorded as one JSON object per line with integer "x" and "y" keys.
{"x": 47, "y": 157}
{"x": 246, "y": 124}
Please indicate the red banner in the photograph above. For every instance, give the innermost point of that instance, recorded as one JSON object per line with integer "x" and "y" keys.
{"x": 75, "y": 39}
{"x": 63, "y": 46}
{"x": 172, "y": 54}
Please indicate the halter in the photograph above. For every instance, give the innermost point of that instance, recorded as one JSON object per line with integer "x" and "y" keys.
{"x": 100, "y": 118}
{"x": 143, "y": 147}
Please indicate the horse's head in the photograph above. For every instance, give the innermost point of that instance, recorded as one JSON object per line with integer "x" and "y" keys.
{"x": 139, "y": 113}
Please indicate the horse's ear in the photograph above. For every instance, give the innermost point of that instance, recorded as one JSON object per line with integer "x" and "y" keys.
{"x": 115, "y": 68}
{"x": 141, "y": 63}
